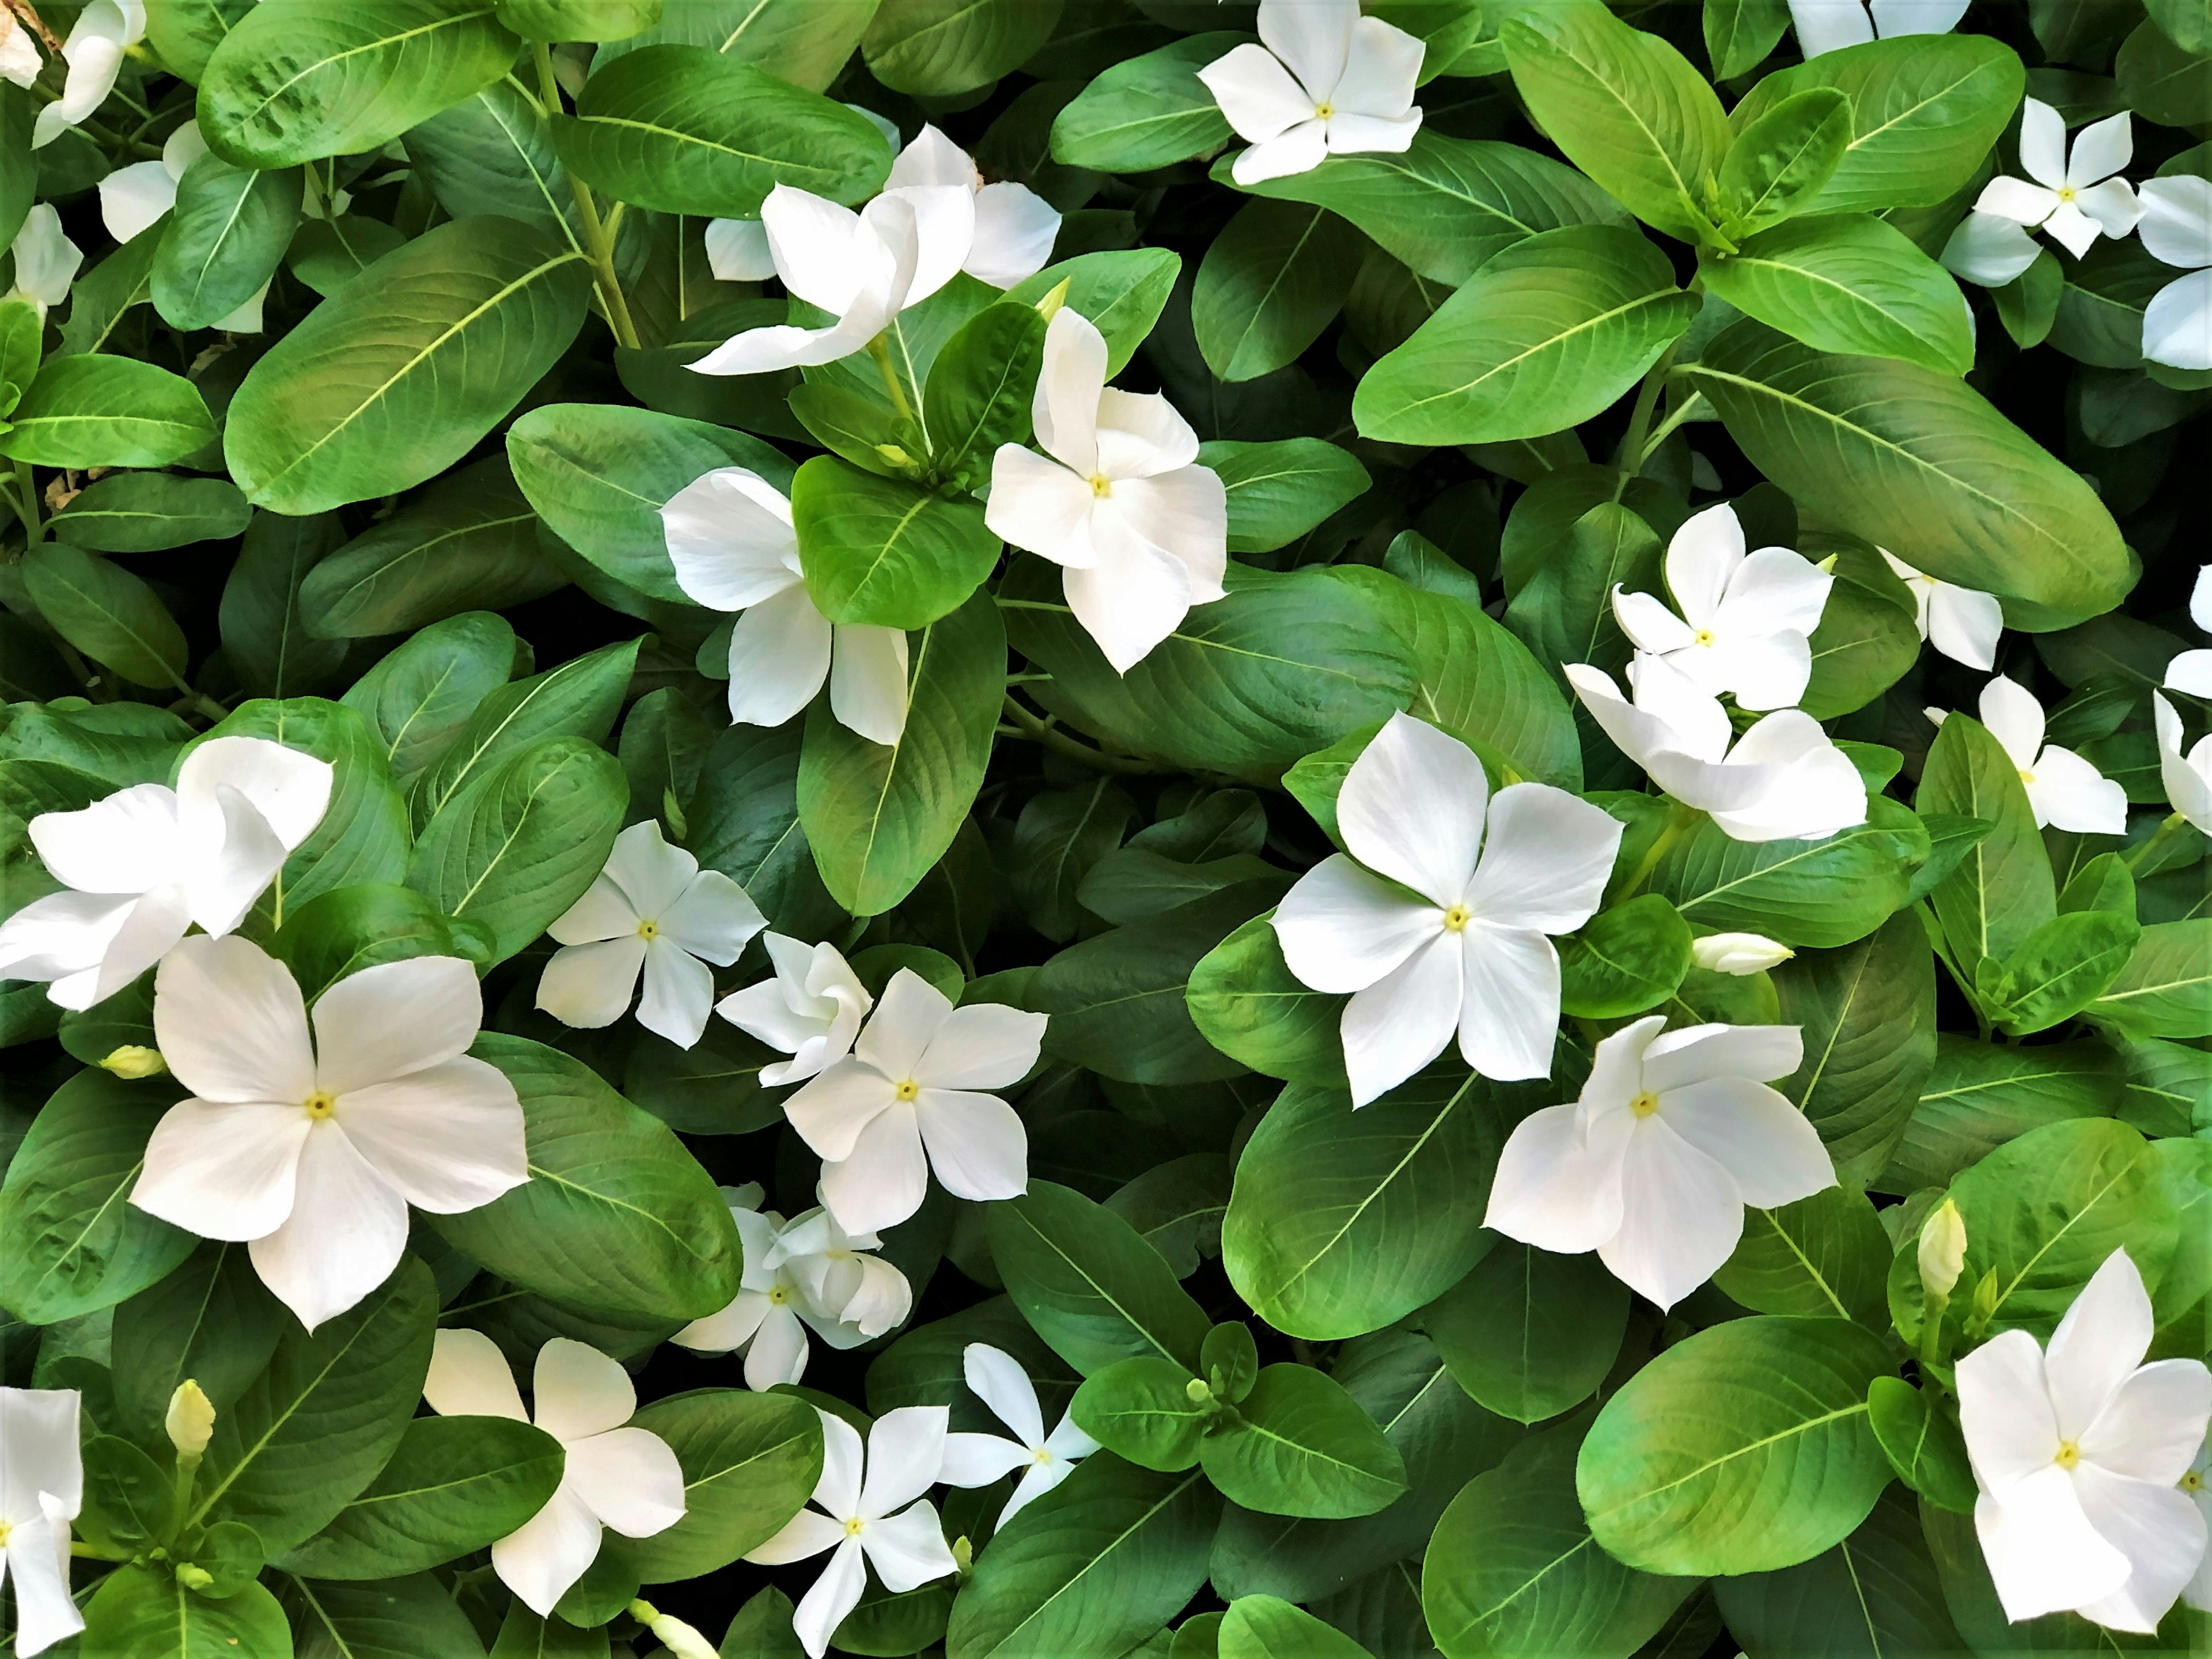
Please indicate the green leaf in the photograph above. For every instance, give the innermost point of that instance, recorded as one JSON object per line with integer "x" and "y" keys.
{"x": 1341, "y": 1221}
{"x": 2065, "y": 964}
{"x": 750, "y": 1460}
{"x": 222, "y": 240}
{"x": 1146, "y": 112}
{"x": 1274, "y": 279}
{"x": 106, "y": 612}
{"x": 579, "y": 698}
{"x": 1878, "y": 1587}
{"x": 2001, "y": 890}
{"x": 1547, "y": 334}
{"x": 1777, "y": 163}
{"x": 1849, "y": 282}
{"x": 401, "y": 373}
{"x": 1624, "y": 960}
{"x": 89, "y": 412}
{"x": 1061, "y": 835}
{"x": 411, "y": 1618}
{"x": 356, "y": 926}
{"x": 1740, "y": 33}
{"x": 264, "y": 636}
{"x": 335, "y": 77}
{"x": 806, "y": 41}
{"x": 493, "y": 154}
{"x": 941, "y": 48}
{"x": 1919, "y": 1432}
{"x": 884, "y": 552}
{"x": 1530, "y": 1334}
{"x": 1980, "y": 1095}
{"x": 1279, "y": 491}
{"x": 578, "y": 19}
{"x": 684, "y": 130}
{"x": 980, "y": 391}
{"x": 1246, "y": 1002}
{"x": 185, "y": 32}
{"x": 1122, "y": 292}
{"x": 149, "y": 512}
{"x": 879, "y": 817}
{"x": 1088, "y": 1284}
{"x": 145, "y": 1610}
{"x": 417, "y": 701}
{"x": 2160, "y": 81}
{"x": 1141, "y": 1408}
{"x": 1269, "y": 1627}
{"x": 1825, "y": 1255}
{"x": 1867, "y": 640}
{"x": 2163, "y": 990}
{"x": 1742, "y": 1450}
{"x": 211, "y": 1319}
{"x": 130, "y": 1502}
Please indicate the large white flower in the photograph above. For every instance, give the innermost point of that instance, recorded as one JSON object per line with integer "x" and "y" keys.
{"x": 1962, "y": 623}
{"x": 730, "y": 538}
{"x": 906, "y": 1103}
{"x": 1782, "y": 780}
{"x": 2197, "y": 1483}
{"x": 2077, "y": 1450}
{"x": 314, "y": 1152}
{"x": 2191, "y": 670}
{"x": 860, "y": 1519}
{"x": 801, "y": 1274}
{"x": 2177, "y": 228}
{"x": 1436, "y": 916}
{"x": 1673, "y": 1134}
{"x": 1747, "y": 617}
{"x": 2187, "y": 778}
{"x": 1328, "y": 81}
{"x": 1045, "y": 1459}
{"x": 147, "y": 862}
{"x": 41, "y": 1487}
{"x": 613, "y": 1475}
{"x": 46, "y": 261}
{"x": 1831, "y": 25}
{"x": 104, "y": 30}
{"x": 653, "y": 909}
{"x": 2063, "y": 788}
{"x": 811, "y": 1010}
{"x": 1140, "y": 529}
{"x": 132, "y": 199}
{"x": 2075, "y": 198}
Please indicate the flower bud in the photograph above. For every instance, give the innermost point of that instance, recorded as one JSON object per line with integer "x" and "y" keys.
{"x": 678, "y": 1638}
{"x": 193, "y": 1578}
{"x": 1049, "y": 307}
{"x": 1943, "y": 1250}
{"x": 133, "y": 1060}
{"x": 190, "y": 1420}
{"x": 1738, "y": 953}
{"x": 1199, "y": 1390}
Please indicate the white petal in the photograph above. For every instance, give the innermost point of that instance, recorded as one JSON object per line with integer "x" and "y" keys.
{"x": 1313, "y": 38}
{"x": 1015, "y": 229}
{"x": 39, "y": 1430}
{"x": 1774, "y": 591}
{"x": 730, "y": 538}
{"x": 998, "y": 1381}
{"x": 2102, "y": 1337}
{"x": 712, "y": 918}
{"x": 1763, "y": 672}
{"x": 469, "y": 1378}
{"x": 20, "y": 61}
{"x": 1769, "y": 1146}
{"x": 807, "y": 1534}
{"x": 2190, "y": 671}
{"x": 1510, "y": 1019}
{"x": 2101, "y": 150}
{"x": 1830, "y": 25}
{"x": 944, "y": 230}
{"x": 679, "y": 993}
{"x": 1140, "y": 435}
{"x": 779, "y": 1351}
{"x": 1808, "y": 799}
{"x": 1184, "y": 512}
{"x": 883, "y": 1180}
{"x": 1041, "y": 1478}
{"x": 976, "y": 1143}
{"x": 1301, "y": 150}
{"x": 1650, "y": 625}
{"x": 2186, "y": 787}
{"x": 1411, "y": 806}
{"x": 1894, "y": 17}
{"x": 346, "y": 1233}
{"x": 2176, "y": 219}
{"x": 822, "y": 252}
{"x": 1964, "y": 625}
{"x": 1379, "y": 75}
{"x": 450, "y": 1138}
{"x": 1701, "y": 558}
{"x": 1256, "y": 95}
{"x": 2072, "y": 228}
{"x": 2016, "y": 200}
{"x": 229, "y": 1021}
{"x": 779, "y": 657}
{"x": 838, "y": 1489}
{"x": 231, "y": 856}
{"x": 908, "y": 1549}
{"x": 1693, "y": 1053}
{"x": 1680, "y": 1218}
{"x": 2153, "y": 1424}
{"x": 648, "y": 871}
{"x": 2113, "y": 204}
{"x": 932, "y": 159}
{"x": 2072, "y": 795}
{"x": 977, "y": 1460}
{"x": 289, "y": 788}
{"x": 1546, "y": 859}
{"x": 223, "y": 1171}
{"x": 132, "y": 199}
{"x": 2014, "y": 718}
{"x": 765, "y": 350}
{"x": 67, "y": 932}
{"x": 868, "y": 680}
{"x": 986, "y": 1045}
{"x": 1041, "y": 507}
{"x": 2178, "y": 323}
{"x": 2158, "y": 1529}
{"x": 37, "y": 1557}
{"x": 908, "y": 1019}
{"x": 1132, "y": 599}
{"x": 1402, "y": 1022}
{"x": 2004, "y": 1410}
{"x": 1065, "y": 410}
{"x": 1988, "y": 249}
{"x": 1557, "y": 1187}
{"x": 590, "y": 986}
{"x": 906, "y": 1448}
{"x": 1342, "y": 928}
{"x": 730, "y": 1329}
{"x": 603, "y": 913}
{"x": 834, "y": 1595}
{"x": 2043, "y": 1554}
{"x": 831, "y": 1112}
{"x": 576, "y": 1391}
{"x": 738, "y": 250}
{"x": 549, "y": 1552}
{"x": 2043, "y": 143}
{"x": 126, "y": 843}
{"x": 629, "y": 1478}
{"x": 393, "y": 1019}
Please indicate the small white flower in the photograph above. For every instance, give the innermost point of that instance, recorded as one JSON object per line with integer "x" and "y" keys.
{"x": 41, "y": 1487}
{"x": 730, "y": 538}
{"x": 19, "y": 53}
{"x": 1327, "y": 82}
{"x": 104, "y": 30}
{"x": 1831, "y": 25}
{"x": 314, "y": 1152}
{"x": 2188, "y": 779}
{"x": 1140, "y": 529}
{"x": 2191, "y": 670}
{"x": 2177, "y": 228}
{"x": 1780, "y": 781}
{"x": 1651, "y": 1168}
{"x": 46, "y": 261}
{"x": 801, "y": 1274}
{"x": 147, "y": 862}
{"x": 811, "y": 1010}
{"x": 2077, "y": 1450}
{"x": 653, "y": 909}
{"x": 855, "y": 1520}
{"x": 132, "y": 199}
{"x": 2197, "y": 1483}
{"x": 2063, "y": 788}
{"x": 613, "y": 1475}
{"x": 2073, "y": 199}
{"x": 1746, "y": 619}
{"x": 1739, "y": 954}
{"x": 1962, "y": 623}
{"x": 905, "y": 1103}
{"x": 1437, "y": 916}
{"x": 1045, "y": 1459}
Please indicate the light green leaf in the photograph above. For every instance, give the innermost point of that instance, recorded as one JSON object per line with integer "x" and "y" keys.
{"x": 884, "y": 552}
{"x": 1777, "y": 164}
{"x": 806, "y": 41}
{"x": 1825, "y": 1255}
{"x": 2166, "y": 989}
{"x": 1530, "y": 1334}
{"x": 1274, "y": 279}
{"x": 2002, "y": 890}
{"x": 1088, "y": 1284}
{"x": 1247, "y": 1003}
{"x": 579, "y": 698}
{"x": 941, "y": 48}
{"x": 145, "y": 1611}
{"x": 1279, "y": 491}
{"x": 98, "y": 411}
{"x": 417, "y": 701}
{"x": 1848, "y": 282}
{"x": 750, "y": 1462}
{"x": 149, "y": 512}
{"x": 1146, "y": 112}
{"x": 1122, "y": 292}
{"x": 106, "y": 612}
{"x": 224, "y": 240}
{"x": 265, "y": 638}
{"x": 1302, "y": 1447}
{"x": 1879, "y": 1587}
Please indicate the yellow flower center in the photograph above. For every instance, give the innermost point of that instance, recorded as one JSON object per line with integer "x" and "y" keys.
{"x": 2066, "y": 192}
{"x": 648, "y": 930}
{"x": 1703, "y": 636}
{"x": 1101, "y": 485}
{"x": 1323, "y": 111}
{"x": 1041, "y": 1455}
{"x": 2068, "y": 1455}
{"x": 2193, "y": 1481}
{"x": 1456, "y": 919}
{"x": 6, "y": 1527}
{"x": 779, "y": 1295}
{"x": 1644, "y": 1104}
{"x": 319, "y": 1105}
{"x": 2027, "y": 776}
{"x": 852, "y": 1526}
{"x": 909, "y": 1090}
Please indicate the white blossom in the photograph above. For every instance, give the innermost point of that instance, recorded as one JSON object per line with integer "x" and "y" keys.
{"x": 2063, "y": 789}
{"x": 46, "y": 261}
{"x": 2177, "y": 228}
{"x": 1045, "y": 1459}
{"x": 41, "y": 1487}
{"x": 1325, "y": 82}
{"x": 1739, "y": 954}
{"x": 2187, "y": 778}
{"x": 19, "y": 53}
{"x": 1962, "y": 623}
{"x": 2190, "y": 671}
{"x": 811, "y": 1010}
{"x": 2075, "y": 198}
{"x": 104, "y": 30}
{"x": 133, "y": 198}
{"x": 2197, "y": 1483}
{"x": 1826, "y": 26}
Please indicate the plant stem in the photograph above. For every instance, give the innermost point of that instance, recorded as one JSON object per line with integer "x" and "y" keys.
{"x": 598, "y": 246}
{"x": 27, "y": 505}
{"x": 1640, "y": 422}
{"x": 2167, "y": 831}
{"x": 1060, "y": 743}
{"x": 1678, "y": 822}
{"x": 1688, "y": 408}
{"x": 882, "y": 354}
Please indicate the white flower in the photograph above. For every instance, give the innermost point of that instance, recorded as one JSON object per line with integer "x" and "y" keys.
{"x": 1652, "y": 1166}
{"x": 41, "y": 1486}
{"x": 1780, "y": 781}
{"x": 2077, "y": 1450}
{"x": 1962, "y": 623}
{"x": 132, "y": 199}
{"x": 1045, "y": 1459}
{"x": 1831, "y": 25}
{"x": 855, "y": 1518}
{"x": 313, "y": 1153}
{"x": 19, "y": 53}
{"x": 653, "y": 909}
{"x": 1466, "y": 946}
{"x": 2197, "y": 1483}
{"x": 2075, "y": 198}
{"x": 1739, "y": 954}
{"x": 730, "y": 538}
{"x": 46, "y": 261}
{"x": 1141, "y": 530}
{"x": 1746, "y": 619}
{"x": 2188, "y": 780}
{"x": 808, "y": 1272}
{"x": 612, "y": 1476}
{"x": 2063, "y": 788}
{"x": 1328, "y": 81}
{"x": 2177, "y": 228}
{"x": 811, "y": 1010}
{"x": 905, "y": 1103}
{"x": 147, "y": 862}
{"x": 2191, "y": 670}
{"x": 104, "y": 30}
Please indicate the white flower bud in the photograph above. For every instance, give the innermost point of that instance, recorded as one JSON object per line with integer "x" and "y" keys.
{"x": 1738, "y": 953}
{"x": 1943, "y": 1250}
{"x": 190, "y": 1420}
{"x": 133, "y": 1060}
{"x": 679, "y": 1638}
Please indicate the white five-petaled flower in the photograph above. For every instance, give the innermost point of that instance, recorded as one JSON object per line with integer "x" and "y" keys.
{"x": 1327, "y": 82}
{"x": 2176, "y": 227}
{"x": 811, "y": 1010}
{"x": 1045, "y": 1459}
{"x": 1746, "y": 619}
{"x": 1139, "y": 528}
{"x": 2187, "y": 778}
{"x": 1651, "y": 1168}
{"x": 147, "y": 862}
{"x": 804, "y": 1274}
{"x": 103, "y": 32}
{"x": 2063, "y": 789}
{"x": 904, "y": 1103}
{"x": 2078, "y": 1449}
{"x": 612, "y": 1474}
{"x": 1780, "y": 781}
{"x": 2075, "y": 198}
{"x": 1831, "y": 25}
{"x": 1962, "y": 623}
{"x": 653, "y": 909}
{"x": 860, "y": 1519}
{"x": 1438, "y": 913}
{"x": 2191, "y": 670}
{"x": 314, "y": 1152}
{"x": 46, "y": 261}
{"x": 41, "y": 1487}
{"x": 731, "y": 540}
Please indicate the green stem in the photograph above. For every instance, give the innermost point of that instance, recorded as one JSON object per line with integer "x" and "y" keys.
{"x": 882, "y": 353}
{"x": 1687, "y": 410}
{"x": 598, "y": 246}
{"x": 2167, "y": 831}
{"x": 1640, "y": 422}
{"x": 1678, "y": 822}
{"x": 27, "y": 505}
{"x": 1060, "y": 743}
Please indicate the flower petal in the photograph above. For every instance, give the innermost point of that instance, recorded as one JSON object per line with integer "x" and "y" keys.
{"x": 603, "y": 913}
{"x": 2178, "y": 323}
{"x": 779, "y": 657}
{"x": 1256, "y": 95}
{"x": 1988, "y": 249}
{"x": 834, "y": 1595}
{"x": 1380, "y": 73}
{"x": 1546, "y": 859}
{"x": 908, "y": 1549}
{"x": 838, "y": 1489}
{"x": 2014, "y": 718}
{"x": 2015, "y": 199}
{"x": 231, "y": 856}
{"x": 779, "y": 1351}
{"x": 393, "y": 1019}
{"x": 976, "y": 1143}
{"x": 738, "y": 250}
{"x": 1065, "y": 410}
{"x": 449, "y": 1137}
{"x": 2100, "y": 1340}
{"x": 38, "y": 1553}
{"x": 2043, "y": 143}
{"x": 714, "y": 919}
{"x": 729, "y": 536}
{"x": 1650, "y": 625}
{"x": 2175, "y": 220}
{"x": 288, "y": 787}
{"x": 1342, "y": 928}
{"x": 906, "y": 1448}
{"x": 997, "y": 1379}
{"x": 1830, "y": 25}
{"x": 1041, "y": 1478}
{"x": 1693, "y": 1053}
{"x": 833, "y": 1109}
{"x": 1039, "y": 506}
{"x": 679, "y": 993}
{"x": 229, "y": 1021}
{"x": 223, "y": 1171}
{"x": 2159, "y": 1531}
{"x": 2101, "y": 150}
{"x": 124, "y": 843}
{"x": 2004, "y": 1410}
{"x": 1314, "y": 39}
{"x": 1411, "y": 808}
{"x": 1140, "y": 435}
{"x": 2113, "y": 204}
{"x": 347, "y": 1231}
{"x": 908, "y": 1018}
{"x": 1509, "y": 1021}
{"x": 1015, "y": 229}
{"x": 1701, "y": 558}
{"x": 576, "y": 1391}
{"x": 1402, "y": 1022}
{"x": 944, "y": 231}
{"x": 470, "y": 1377}
{"x": 590, "y": 986}
{"x": 977, "y": 1460}
{"x": 549, "y": 1552}
{"x": 629, "y": 1478}
{"x": 885, "y": 1177}
{"x": 2071, "y": 794}
{"x": 2072, "y": 228}
{"x": 868, "y": 680}
{"x": 807, "y": 1534}
{"x": 730, "y": 1329}
{"x": 1301, "y": 150}
{"x": 132, "y": 199}
{"x": 986, "y": 1045}
{"x": 2154, "y": 1423}
{"x": 823, "y": 253}
{"x": 40, "y": 1426}
{"x": 1681, "y": 1216}
{"x": 1769, "y": 1146}
{"x": 1557, "y": 1187}
{"x": 2043, "y": 1554}
{"x": 1132, "y": 599}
